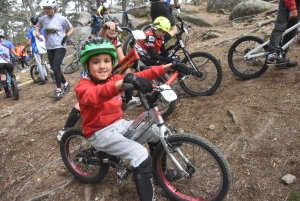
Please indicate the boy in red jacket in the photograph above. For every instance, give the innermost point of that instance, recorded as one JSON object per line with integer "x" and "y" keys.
{"x": 286, "y": 18}
{"x": 100, "y": 105}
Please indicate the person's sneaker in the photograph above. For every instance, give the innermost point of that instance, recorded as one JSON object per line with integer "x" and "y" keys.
{"x": 173, "y": 174}
{"x": 46, "y": 78}
{"x": 134, "y": 102}
{"x": 22, "y": 71}
{"x": 61, "y": 133}
{"x": 291, "y": 64}
{"x": 8, "y": 95}
{"x": 57, "y": 95}
{"x": 271, "y": 60}
{"x": 42, "y": 82}
{"x": 67, "y": 89}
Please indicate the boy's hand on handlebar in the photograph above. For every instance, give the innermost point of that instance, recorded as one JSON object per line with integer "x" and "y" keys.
{"x": 181, "y": 68}
{"x": 293, "y": 14}
{"x": 140, "y": 83}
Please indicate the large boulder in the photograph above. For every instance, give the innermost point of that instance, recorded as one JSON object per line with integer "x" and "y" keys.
{"x": 141, "y": 11}
{"x": 80, "y": 34}
{"x": 202, "y": 22}
{"x": 249, "y": 8}
{"x": 215, "y": 5}
{"x": 80, "y": 19}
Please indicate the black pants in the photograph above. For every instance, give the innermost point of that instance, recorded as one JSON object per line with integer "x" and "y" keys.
{"x": 23, "y": 61}
{"x": 282, "y": 23}
{"x": 55, "y": 57}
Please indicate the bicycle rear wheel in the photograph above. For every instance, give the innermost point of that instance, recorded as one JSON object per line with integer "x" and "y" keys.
{"x": 73, "y": 146}
{"x": 210, "y": 176}
{"x": 35, "y": 74}
{"x": 247, "y": 68}
{"x": 166, "y": 108}
{"x": 72, "y": 67}
{"x": 15, "y": 89}
{"x": 207, "y": 81}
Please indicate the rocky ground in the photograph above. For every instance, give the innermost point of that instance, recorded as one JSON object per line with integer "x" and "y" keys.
{"x": 255, "y": 124}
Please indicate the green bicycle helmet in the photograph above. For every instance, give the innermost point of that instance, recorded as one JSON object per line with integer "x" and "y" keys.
{"x": 94, "y": 46}
{"x": 164, "y": 23}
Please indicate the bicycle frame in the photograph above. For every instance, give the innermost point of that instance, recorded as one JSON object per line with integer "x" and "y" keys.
{"x": 125, "y": 63}
{"x": 151, "y": 117}
{"x": 252, "y": 53}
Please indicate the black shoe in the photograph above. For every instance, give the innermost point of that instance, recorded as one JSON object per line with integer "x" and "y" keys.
{"x": 42, "y": 82}
{"x": 57, "y": 95}
{"x": 67, "y": 89}
{"x": 287, "y": 64}
{"x": 8, "y": 95}
{"x": 271, "y": 60}
{"x": 292, "y": 64}
{"x": 173, "y": 174}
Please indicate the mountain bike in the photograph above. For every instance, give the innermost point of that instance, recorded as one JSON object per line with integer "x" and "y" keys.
{"x": 35, "y": 74}
{"x": 247, "y": 57}
{"x": 205, "y": 171}
{"x": 207, "y": 71}
{"x": 132, "y": 59}
{"x": 75, "y": 63}
{"x": 12, "y": 86}
{"x": 127, "y": 21}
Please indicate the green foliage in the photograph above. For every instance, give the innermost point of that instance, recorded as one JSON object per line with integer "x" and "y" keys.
{"x": 294, "y": 196}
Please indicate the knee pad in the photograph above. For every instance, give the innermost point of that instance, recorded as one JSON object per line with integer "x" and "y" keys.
{"x": 143, "y": 179}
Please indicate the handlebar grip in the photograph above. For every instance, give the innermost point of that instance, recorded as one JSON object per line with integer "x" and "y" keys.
{"x": 127, "y": 86}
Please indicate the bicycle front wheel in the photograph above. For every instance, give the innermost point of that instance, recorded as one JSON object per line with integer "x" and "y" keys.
{"x": 247, "y": 68}
{"x": 166, "y": 108}
{"x": 209, "y": 78}
{"x": 72, "y": 67}
{"x": 35, "y": 74}
{"x": 15, "y": 89}
{"x": 74, "y": 145}
{"x": 209, "y": 172}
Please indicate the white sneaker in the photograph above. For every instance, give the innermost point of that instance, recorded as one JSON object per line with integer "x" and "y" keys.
{"x": 134, "y": 102}
{"x": 60, "y": 134}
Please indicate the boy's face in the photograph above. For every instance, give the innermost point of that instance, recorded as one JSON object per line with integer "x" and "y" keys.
{"x": 100, "y": 66}
{"x": 111, "y": 33}
{"x": 160, "y": 33}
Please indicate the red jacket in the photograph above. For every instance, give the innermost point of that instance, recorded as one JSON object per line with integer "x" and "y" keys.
{"x": 290, "y": 4}
{"x": 100, "y": 104}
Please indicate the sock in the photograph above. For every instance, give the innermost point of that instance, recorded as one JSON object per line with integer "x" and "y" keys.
{"x": 66, "y": 84}
{"x": 58, "y": 89}
{"x": 73, "y": 118}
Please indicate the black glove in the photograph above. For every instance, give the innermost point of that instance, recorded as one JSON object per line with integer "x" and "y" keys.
{"x": 140, "y": 83}
{"x": 64, "y": 40}
{"x": 181, "y": 68}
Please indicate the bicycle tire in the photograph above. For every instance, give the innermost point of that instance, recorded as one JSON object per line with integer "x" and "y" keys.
{"x": 86, "y": 173}
{"x": 210, "y": 173}
{"x": 250, "y": 68}
{"x": 34, "y": 74}
{"x": 209, "y": 79}
{"x": 15, "y": 89}
{"x": 166, "y": 108}
{"x": 72, "y": 67}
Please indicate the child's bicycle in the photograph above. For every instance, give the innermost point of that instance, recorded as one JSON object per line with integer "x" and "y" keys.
{"x": 247, "y": 57}
{"x": 35, "y": 73}
{"x": 207, "y": 71}
{"x": 204, "y": 170}
{"x": 12, "y": 86}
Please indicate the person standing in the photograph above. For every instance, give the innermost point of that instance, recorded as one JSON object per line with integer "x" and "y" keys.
{"x": 161, "y": 8}
{"x": 287, "y": 17}
{"x": 22, "y": 55}
{"x": 94, "y": 21}
{"x": 58, "y": 29}
{"x": 38, "y": 48}
{"x": 5, "y": 62}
